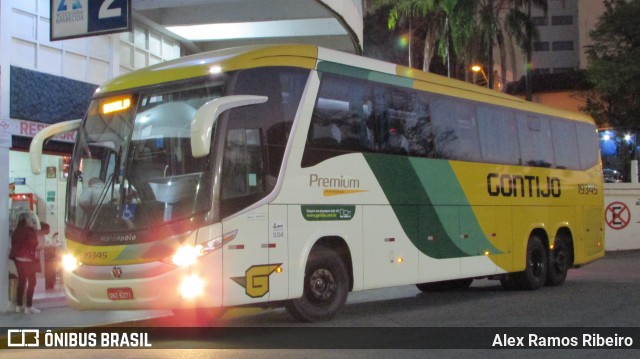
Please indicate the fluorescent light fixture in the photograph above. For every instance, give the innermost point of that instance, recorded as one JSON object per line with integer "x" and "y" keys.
{"x": 261, "y": 29}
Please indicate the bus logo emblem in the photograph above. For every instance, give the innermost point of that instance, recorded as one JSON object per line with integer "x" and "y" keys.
{"x": 116, "y": 272}
{"x": 256, "y": 279}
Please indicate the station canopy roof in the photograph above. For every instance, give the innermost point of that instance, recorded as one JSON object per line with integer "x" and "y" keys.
{"x": 204, "y": 25}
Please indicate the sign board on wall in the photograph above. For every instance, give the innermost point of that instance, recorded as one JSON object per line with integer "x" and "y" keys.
{"x": 622, "y": 216}
{"x": 29, "y": 129}
{"x": 80, "y": 18}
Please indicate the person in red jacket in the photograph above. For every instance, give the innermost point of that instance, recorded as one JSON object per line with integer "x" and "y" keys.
{"x": 24, "y": 242}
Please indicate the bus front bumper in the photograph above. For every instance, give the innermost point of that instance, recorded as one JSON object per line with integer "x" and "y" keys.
{"x": 155, "y": 285}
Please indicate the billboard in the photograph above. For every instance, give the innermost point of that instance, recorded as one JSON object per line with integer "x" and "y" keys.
{"x": 80, "y": 18}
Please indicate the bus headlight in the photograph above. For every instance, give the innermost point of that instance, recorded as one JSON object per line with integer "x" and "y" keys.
{"x": 69, "y": 262}
{"x": 187, "y": 254}
{"x": 191, "y": 286}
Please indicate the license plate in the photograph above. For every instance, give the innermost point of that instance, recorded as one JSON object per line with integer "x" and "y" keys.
{"x": 120, "y": 293}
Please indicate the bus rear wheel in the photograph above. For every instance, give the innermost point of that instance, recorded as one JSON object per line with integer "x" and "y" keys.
{"x": 326, "y": 286}
{"x": 559, "y": 262}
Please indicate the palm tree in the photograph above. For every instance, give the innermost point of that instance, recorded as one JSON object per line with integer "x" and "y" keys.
{"x": 491, "y": 26}
{"x": 457, "y": 30}
{"x": 445, "y": 23}
{"x": 525, "y": 33}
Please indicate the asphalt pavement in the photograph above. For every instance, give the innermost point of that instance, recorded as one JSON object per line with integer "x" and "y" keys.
{"x": 56, "y": 313}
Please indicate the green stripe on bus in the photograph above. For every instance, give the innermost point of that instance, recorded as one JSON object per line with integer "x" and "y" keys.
{"x": 433, "y": 228}
{"x": 435, "y": 175}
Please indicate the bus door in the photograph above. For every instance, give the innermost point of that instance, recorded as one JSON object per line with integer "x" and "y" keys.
{"x": 243, "y": 183}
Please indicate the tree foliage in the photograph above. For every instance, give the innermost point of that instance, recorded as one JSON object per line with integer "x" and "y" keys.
{"x": 446, "y": 25}
{"x": 464, "y": 32}
{"x": 524, "y": 33}
{"x": 613, "y": 66}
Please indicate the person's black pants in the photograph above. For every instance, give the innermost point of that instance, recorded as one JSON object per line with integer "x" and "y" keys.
{"x": 26, "y": 277}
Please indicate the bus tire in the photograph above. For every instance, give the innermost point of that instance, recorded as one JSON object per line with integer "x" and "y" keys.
{"x": 446, "y": 285}
{"x": 535, "y": 273}
{"x": 559, "y": 261}
{"x": 326, "y": 286}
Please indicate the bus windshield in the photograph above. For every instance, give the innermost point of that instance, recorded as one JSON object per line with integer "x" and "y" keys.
{"x": 132, "y": 165}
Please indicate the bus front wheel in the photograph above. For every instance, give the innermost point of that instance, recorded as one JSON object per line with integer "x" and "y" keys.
{"x": 326, "y": 286}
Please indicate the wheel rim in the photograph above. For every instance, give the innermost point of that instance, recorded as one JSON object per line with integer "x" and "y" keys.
{"x": 322, "y": 285}
{"x": 560, "y": 261}
{"x": 536, "y": 262}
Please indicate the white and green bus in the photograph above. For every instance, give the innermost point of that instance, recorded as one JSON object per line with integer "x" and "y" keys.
{"x": 292, "y": 175}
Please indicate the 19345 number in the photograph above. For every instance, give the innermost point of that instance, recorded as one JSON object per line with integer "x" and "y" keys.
{"x": 587, "y": 189}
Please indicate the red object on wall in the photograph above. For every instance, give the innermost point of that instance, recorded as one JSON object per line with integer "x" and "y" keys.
{"x": 24, "y": 200}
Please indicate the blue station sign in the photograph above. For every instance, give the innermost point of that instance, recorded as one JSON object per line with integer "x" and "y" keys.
{"x": 80, "y": 18}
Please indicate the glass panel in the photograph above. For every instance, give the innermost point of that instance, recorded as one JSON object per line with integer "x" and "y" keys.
{"x": 588, "y": 145}
{"x": 456, "y": 129}
{"x": 565, "y": 144}
{"x": 535, "y": 140}
{"x": 498, "y": 135}
{"x": 138, "y": 172}
{"x": 257, "y": 135}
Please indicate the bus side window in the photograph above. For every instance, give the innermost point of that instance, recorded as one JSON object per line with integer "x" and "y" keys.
{"x": 243, "y": 177}
{"x": 455, "y": 129}
{"x": 340, "y": 123}
{"x": 565, "y": 144}
{"x": 535, "y": 140}
{"x": 498, "y": 135}
{"x": 396, "y": 142}
{"x": 588, "y": 146}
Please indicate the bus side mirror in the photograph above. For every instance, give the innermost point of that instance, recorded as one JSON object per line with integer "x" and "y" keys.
{"x": 35, "y": 150}
{"x": 206, "y": 116}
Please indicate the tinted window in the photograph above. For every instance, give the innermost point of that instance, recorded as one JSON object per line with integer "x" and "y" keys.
{"x": 588, "y": 145}
{"x": 456, "y": 129}
{"x": 565, "y": 144}
{"x": 256, "y": 135}
{"x": 355, "y": 115}
{"x": 534, "y": 134}
{"x": 498, "y": 135}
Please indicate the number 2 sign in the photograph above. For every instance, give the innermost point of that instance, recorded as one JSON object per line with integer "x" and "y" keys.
{"x": 79, "y": 18}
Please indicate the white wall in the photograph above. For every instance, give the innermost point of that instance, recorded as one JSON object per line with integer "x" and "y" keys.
{"x": 144, "y": 47}
{"x": 622, "y": 216}
{"x": 93, "y": 59}
{"x": 85, "y": 59}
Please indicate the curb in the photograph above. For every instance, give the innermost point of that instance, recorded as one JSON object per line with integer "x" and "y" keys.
{"x": 50, "y": 302}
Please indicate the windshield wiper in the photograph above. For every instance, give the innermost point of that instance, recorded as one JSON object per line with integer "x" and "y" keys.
{"x": 100, "y": 203}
